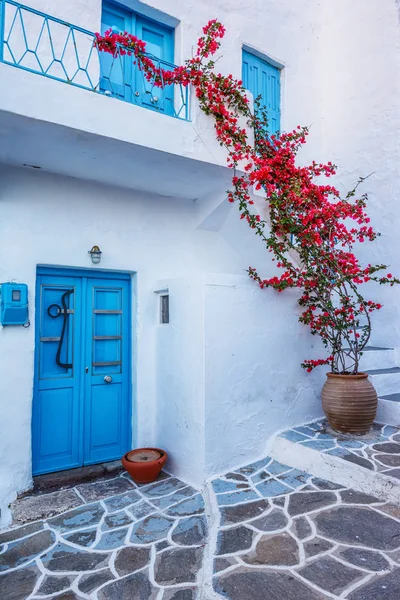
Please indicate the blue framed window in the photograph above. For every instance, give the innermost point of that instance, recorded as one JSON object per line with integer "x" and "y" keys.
{"x": 120, "y": 77}
{"x": 263, "y": 79}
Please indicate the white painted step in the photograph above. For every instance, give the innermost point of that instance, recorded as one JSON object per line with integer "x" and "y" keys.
{"x": 389, "y": 409}
{"x": 385, "y": 381}
{"x": 375, "y": 357}
{"x": 335, "y": 469}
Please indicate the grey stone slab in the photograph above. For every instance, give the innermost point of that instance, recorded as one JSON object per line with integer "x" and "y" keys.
{"x": 185, "y": 594}
{"x": 140, "y": 510}
{"x": 19, "y": 584}
{"x": 162, "y": 488}
{"x": 393, "y": 473}
{"x": 131, "y": 559}
{"x": 325, "y": 485}
{"x": 256, "y": 466}
{"x": 272, "y": 487}
{"x": 22, "y": 551}
{"x": 118, "y": 519}
{"x": 90, "y": 582}
{"x": 174, "y": 498}
{"x": 191, "y": 531}
{"x": 235, "y": 539}
{"x": 389, "y": 460}
{"x": 132, "y": 587}
{"x": 354, "y": 497}
{"x": 301, "y": 528}
{"x": 151, "y": 529}
{"x": 112, "y": 539}
{"x": 243, "y": 584}
{"x": 236, "y": 477}
{"x": 221, "y": 485}
{"x": 305, "y": 502}
{"x": 316, "y": 546}
{"x": 65, "y": 558}
{"x": 162, "y": 545}
{"x": 386, "y": 587}
{"x": 84, "y": 516}
{"x": 388, "y": 447}
{"x": 220, "y": 564}
{"x": 178, "y": 565}
{"x": 276, "y": 519}
{"x": 374, "y": 561}
{"x": 358, "y": 460}
{"x": 330, "y": 574}
{"x": 294, "y": 478}
{"x": 236, "y": 497}
{"x": 277, "y": 550}
{"x": 53, "y": 584}
{"x": 231, "y": 515}
{"x": 191, "y": 506}
{"x": 82, "y": 538}
{"x": 19, "y": 532}
{"x": 116, "y": 503}
{"x": 354, "y": 525}
{"x": 68, "y": 595}
{"x": 43, "y": 506}
{"x": 103, "y": 489}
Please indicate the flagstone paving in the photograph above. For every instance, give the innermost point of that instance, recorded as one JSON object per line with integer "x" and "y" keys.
{"x": 115, "y": 541}
{"x": 286, "y": 535}
{"x": 277, "y": 533}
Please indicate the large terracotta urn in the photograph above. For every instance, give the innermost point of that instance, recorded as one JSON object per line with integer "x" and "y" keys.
{"x": 349, "y": 402}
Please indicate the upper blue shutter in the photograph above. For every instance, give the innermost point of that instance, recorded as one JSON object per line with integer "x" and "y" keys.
{"x": 263, "y": 79}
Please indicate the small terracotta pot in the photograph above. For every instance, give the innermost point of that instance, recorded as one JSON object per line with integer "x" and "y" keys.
{"x": 350, "y": 402}
{"x": 144, "y": 464}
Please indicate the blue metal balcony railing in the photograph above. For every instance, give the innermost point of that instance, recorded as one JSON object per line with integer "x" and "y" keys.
{"x": 39, "y": 43}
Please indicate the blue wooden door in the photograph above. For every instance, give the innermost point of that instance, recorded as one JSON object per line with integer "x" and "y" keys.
{"x": 82, "y": 398}
{"x": 116, "y": 72}
{"x": 120, "y": 77}
{"x": 160, "y": 44}
{"x": 263, "y": 79}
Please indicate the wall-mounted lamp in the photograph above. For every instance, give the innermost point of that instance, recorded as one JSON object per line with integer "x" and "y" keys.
{"x": 95, "y": 255}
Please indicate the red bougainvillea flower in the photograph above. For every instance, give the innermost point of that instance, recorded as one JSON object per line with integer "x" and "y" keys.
{"x": 307, "y": 217}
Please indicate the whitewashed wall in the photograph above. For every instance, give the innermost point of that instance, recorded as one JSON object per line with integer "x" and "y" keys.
{"x": 224, "y": 375}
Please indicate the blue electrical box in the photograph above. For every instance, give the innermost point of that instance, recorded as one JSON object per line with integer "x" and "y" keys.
{"x": 13, "y": 303}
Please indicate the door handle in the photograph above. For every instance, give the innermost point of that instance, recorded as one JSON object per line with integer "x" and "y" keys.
{"x": 108, "y": 379}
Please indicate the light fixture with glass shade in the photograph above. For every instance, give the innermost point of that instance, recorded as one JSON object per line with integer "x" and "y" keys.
{"x": 95, "y": 255}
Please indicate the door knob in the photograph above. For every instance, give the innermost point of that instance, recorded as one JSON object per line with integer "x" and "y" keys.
{"x": 108, "y": 379}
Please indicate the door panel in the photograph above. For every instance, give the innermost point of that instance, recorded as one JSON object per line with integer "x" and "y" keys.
{"x": 107, "y": 415}
{"x": 57, "y": 405}
{"x": 160, "y": 44}
{"x": 78, "y": 417}
{"x": 116, "y": 73}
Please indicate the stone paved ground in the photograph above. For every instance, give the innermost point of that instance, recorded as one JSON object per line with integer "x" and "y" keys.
{"x": 377, "y": 451}
{"x": 272, "y": 533}
{"x": 286, "y": 535}
{"x": 118, "y": 541}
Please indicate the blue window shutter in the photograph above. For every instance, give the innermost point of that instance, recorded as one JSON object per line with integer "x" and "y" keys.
{"x": 262, "y": 78}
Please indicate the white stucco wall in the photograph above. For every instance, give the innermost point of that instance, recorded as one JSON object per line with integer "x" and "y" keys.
{"x": 224, "y": 375}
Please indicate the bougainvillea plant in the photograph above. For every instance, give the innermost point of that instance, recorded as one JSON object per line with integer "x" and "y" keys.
{"x": 306, "y": 215}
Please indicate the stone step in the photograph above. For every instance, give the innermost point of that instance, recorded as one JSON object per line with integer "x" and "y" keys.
{"x": 375, "y": 357}
{"x": 385, "y": 381}
{"x": 369, "y": 464}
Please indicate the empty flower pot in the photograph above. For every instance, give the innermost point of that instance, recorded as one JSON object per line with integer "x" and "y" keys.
{"x": 144, "y": 464}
